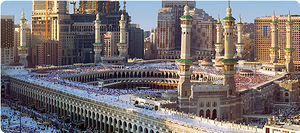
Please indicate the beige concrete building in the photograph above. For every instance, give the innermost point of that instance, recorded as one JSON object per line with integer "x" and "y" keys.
{"x": 49, "y": 52}
{"x": 202, "y": 36}
{"x": 263, "y": 38}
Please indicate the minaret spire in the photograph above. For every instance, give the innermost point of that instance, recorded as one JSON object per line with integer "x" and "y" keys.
{"x": 123, "y": 45}
{"x": 23, "y": 48}
{"x": 23, "y": 14}
{"x": 228, "y": 10}
{"x": 274, "y": 40}
{"x": 186, "y": 9}
{"x": 289, "y": 63}
{"x": 184, "y": 63}
{"x": 228, "y": 3}
{"x": 239, "y": 44}
{"x": 229, "y": 61}
{"x": 98, "y": 44}
{"x": 124, "y": 6}
{"x": 218, "y": 45}
{"x": 273, "y": 17}
{"x": 289, "y": 16}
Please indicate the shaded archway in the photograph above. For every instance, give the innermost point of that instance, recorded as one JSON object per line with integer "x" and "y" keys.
{"x": 214, "y": 114}
{"x": 207, "y": 113}
{"x": 201, "y": 113}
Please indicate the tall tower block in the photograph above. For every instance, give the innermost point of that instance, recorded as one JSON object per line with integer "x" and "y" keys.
{"x": 218, "y": 46}
{"x": 23, "y": 48}
{"x": 274, "y": 40}
{"x": 289, "y": 46}
{"x": 229, "y": 61}
{"x": 239, "y": 44}
{"x": 184, "y": 84}
{"x": 98, "y": 44}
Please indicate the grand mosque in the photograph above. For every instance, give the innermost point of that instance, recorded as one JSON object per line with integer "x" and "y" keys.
{"x": 166, "y": 96}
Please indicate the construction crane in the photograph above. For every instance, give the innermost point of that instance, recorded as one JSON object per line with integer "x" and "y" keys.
{"x": 107, "y": 3}
{"x": 103, "y": 8}
{"x": 124, "y": 7}
{"x": 96, "y": 7}
{"x": 46, "y": 6}
{"x": 82, "y": 7}
{"x": 74, "y": 5}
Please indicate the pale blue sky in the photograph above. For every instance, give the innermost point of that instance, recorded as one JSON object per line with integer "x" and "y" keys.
{"x": 145, "y": 12}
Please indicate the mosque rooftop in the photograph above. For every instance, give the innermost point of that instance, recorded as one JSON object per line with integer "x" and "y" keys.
{"x": 120, "y": 99}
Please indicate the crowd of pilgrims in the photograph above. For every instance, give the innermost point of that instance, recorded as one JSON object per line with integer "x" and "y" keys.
{"x": 10, "y": 120}
{"x": 241, "y": 81}
{"x": 54, "y": 77}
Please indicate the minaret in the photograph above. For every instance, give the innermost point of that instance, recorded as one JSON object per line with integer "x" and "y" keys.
{"x": 274, "y": 46}
{"x": 229, "y": 61}
{"x": 289, "y": 46}
{"x": 184, "y": 84}
{"x": 218, "y": 46}
{"x": 239, "y": 45}
{"x": 23, "y": 48}
{"x": 122, "y": 45}
{"x": 98, "y": 44}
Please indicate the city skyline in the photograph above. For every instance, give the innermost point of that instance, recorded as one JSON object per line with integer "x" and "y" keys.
{"x": 139, "y": 9}
{"x": 94, "y": 71}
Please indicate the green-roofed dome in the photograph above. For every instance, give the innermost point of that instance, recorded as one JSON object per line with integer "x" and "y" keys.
{"x": 229, "y": 60}
{"x": 228, "y": 18}
{"x": 185, "y": 60}
{"x": 23, "y": 19}
{"x": 99, "y": 43}
{"x": 22, "y": 46}
{"x": 186, "y": 16}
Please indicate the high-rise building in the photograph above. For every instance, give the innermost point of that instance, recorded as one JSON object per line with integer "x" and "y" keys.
{"x": 45, "y": 23}
{"x": 203, "y": 35}
{"x": 136, "y": 41}
{"x": 16, "y": 42}
{"x": 94, "y": 7}
{"x": 7, "y": 40}
{"x": 177, "y": 10}
{"x": 110, "y": 52}
{"x": 48, "y": 24}
{"x": 49, "y": 52}
{"x": 150, "y": 49}
{"x": 263, "y": 38}
{"x": 110, "y": 44}
{"x": 78, "y": 41}
{"x": 169, "y": 31}
{"x": 166, "y": 30}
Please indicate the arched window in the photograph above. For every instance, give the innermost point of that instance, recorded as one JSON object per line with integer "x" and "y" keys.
{"x": 214, "y": 115}
{"x": 201, "y": 113}
{"x": 286, "y": 94}
{"x": 208, "y": 113}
